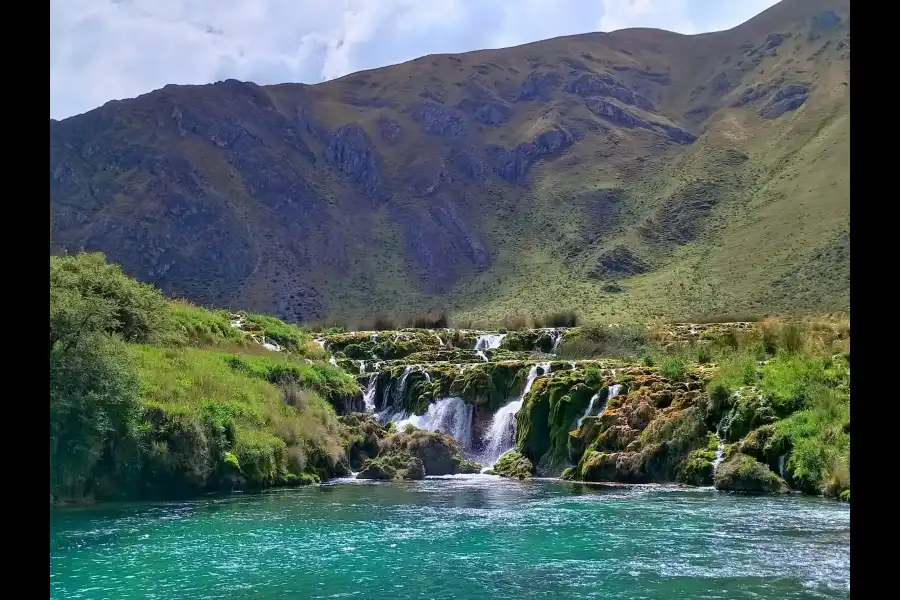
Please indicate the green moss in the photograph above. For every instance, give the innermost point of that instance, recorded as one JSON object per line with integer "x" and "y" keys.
{"x": 514, "y": 464}
{"x": 528, "y": 340}
{"x": 697, "y": 468}
{"x": 742, "y": 473}
{"x": 549, "y": 413}
{"x": 392, "y": 466}
{"x": 845, "y": 496}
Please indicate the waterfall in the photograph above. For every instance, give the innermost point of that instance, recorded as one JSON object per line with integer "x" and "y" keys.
{"x": 613, "y": 392}
{"x": 720, "y": 453}
{"x": 574, "y": 366}
{"x": 781, "y": 464}
{"x": 452, "y": 416}
{"x": 532, "y": 375}
{"x": 556, "y": 335}
{"x": 369, "y": 394}
{"x": 489, "y": 341}
{"x": 333, "y": 361}
{"x": 482, "y": 355}
{"x": 270, "y": 345}
{"x": 440, "y": 341}
{"x": 403, "y": 377}
{"x": 427, "y": 375}
{"x": 362, "y": 366}
{"x": 500, "y": 436}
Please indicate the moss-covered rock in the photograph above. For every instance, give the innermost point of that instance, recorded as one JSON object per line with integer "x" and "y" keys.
{"x": 528, "y": 340}
{"x": 438, "y": 452}
{"x": 392, "y": 466}
{"x": 697, "y": 468}
{"x": 362, "y": 433}
{"x": 548, "y": 414}
{"x": 513, "y": 464}
{"x": 742, "y": 473}
{"x": 749, "y": 409}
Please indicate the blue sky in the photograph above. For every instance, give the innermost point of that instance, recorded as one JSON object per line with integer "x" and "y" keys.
{"x": 102, "y": 50}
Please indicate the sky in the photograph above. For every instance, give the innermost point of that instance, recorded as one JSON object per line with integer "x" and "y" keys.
{"x": 103, "y": 50}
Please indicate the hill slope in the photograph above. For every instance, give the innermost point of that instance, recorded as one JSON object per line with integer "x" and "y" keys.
{"x": 635, "y": 173}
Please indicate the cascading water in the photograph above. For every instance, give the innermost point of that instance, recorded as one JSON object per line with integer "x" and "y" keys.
{"x": 720, "y": 453}
{"x": 556, "y": 335}
{"x": 452, "y": 416}
{"x": 482, "y": 355}
{"x": 500, "y": 436}
{"x": 489, "y": 341}
{"x": 369, "y": 394}
{"x": 613, "y": 392}
{"x": 403, "y": 377}
{"x": 362, "y": 366}
{"x": 781, "y": 464}
{"x": 333, "y": 361}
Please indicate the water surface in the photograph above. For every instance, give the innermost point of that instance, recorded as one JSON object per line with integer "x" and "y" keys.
{"x": 466, "y": 537}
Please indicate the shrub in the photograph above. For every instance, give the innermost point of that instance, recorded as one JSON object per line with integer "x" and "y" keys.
{"x": 566, "y": 318}
{"x": 430, "y": 320}
{"x": 93, "y": 416}
{"x": 672, "y": 368}
{"x": 604, "y": 341}
{"x": 88, "y": 294}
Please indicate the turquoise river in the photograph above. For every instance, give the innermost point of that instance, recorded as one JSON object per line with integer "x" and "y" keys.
{"x": 463, "y": 537}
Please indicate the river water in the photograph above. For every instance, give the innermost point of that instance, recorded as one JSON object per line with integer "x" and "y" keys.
{"x": 464, "y": 537}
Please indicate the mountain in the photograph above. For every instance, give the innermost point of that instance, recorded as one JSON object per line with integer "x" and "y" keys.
{"x": 625, "y": 174}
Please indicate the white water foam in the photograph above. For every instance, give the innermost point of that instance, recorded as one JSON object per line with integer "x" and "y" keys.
{"x": 482, "y": 355}
{"x": 452, "y": 416}
{"x": 489, "y": 341}
{"x": 369, "y": 394}
{"x": 720, "y": 453}
{"x": 500, "y": 436}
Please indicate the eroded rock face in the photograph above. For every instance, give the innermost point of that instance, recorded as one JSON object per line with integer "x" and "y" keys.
{"x": 787, "y": 98}
{"x": 513, "y": 165}
{"x": 592, "y": 84}
{"x": 540, "y": 86}
{"x": 351, "y": 151}
{"x": 619, "y": 261}
{"x": 440, "y": 120}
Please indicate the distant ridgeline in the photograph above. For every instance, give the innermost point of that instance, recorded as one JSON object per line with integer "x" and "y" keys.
{"x": 156, "y": 398}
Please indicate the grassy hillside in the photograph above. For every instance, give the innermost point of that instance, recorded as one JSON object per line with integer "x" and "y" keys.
{"x": 157, "y": 399}
{"x": 633, "y": 174}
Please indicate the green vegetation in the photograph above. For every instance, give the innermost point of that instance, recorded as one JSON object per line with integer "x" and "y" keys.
{"x": 151, "y": 398}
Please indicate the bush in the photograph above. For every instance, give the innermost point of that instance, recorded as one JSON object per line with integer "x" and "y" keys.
{"x": 431, "y": 320}
{"x": 599, "y": 341}
{"x": 276, "y": 330}
{"x": 88, "y": 294}
{"x": 566, "y": 318}
{"x": 672, "y": 368}
{"x": 94, "y": 412}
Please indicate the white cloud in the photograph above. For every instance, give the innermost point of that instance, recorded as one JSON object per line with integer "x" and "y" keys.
{"x": 111, "y": 49}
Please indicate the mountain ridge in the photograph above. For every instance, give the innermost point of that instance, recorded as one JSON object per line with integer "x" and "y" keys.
{"x": 592, "y": 172}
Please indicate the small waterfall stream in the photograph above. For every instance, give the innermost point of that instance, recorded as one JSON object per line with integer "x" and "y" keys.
{"x": 452, "y": 416}
{"x": 489, "y": 341}
{"x": 500, "y": 436}
{"x": 482, "y": 355}
{"x": 720, "y": 454}
{"x": 369, "y": 394}
{"x": 613, "y": 392}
